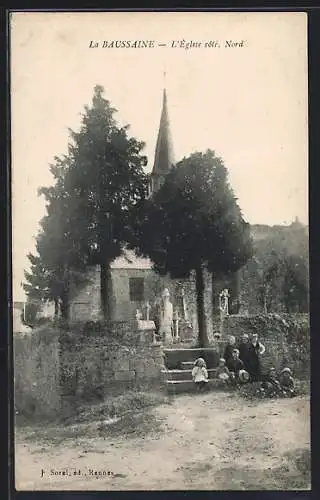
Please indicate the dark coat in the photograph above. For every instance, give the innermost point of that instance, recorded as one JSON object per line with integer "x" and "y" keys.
{"x": 271, "y": 384}
{"x": 235, "y": 365}
{"x": 243, "y": 352}
{"x": 287, "y": 383}
{"x": 253, "y": 361}
{"x": 228, "y": 353}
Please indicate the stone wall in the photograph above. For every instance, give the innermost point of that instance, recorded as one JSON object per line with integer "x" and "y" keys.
{"x": 52, "y": 368}
{"x": 94, "y": 366}
{"x": 36, "y": 372}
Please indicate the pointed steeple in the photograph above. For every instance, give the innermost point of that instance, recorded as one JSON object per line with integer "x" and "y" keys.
{"x": 163, "y": 158}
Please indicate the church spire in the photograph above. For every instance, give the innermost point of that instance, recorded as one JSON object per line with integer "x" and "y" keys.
{"x": 163, "y": 158}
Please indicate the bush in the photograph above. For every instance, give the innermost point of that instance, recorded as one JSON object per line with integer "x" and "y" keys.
{"x": 251, "y": 391}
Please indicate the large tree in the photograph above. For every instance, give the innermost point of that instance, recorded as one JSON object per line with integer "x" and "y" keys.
{"x": 295, "y": 285}
{"x": 283, "y": 259}
{"x": 97, "y": 184}
{"x": 284, "y": 284}
{"x": 58, "y": 261}
{"x": 193, "y": 222}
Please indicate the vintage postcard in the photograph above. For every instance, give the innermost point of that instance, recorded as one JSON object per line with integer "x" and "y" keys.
{"x": 160, "y": 250}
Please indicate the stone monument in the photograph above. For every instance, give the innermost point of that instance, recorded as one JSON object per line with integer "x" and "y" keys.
{"x": 175, "y": 320}
{"x": 223, "y": 306}
{"x": 166, "y": 318}
{"x": 224, "y": 303}
{"x": 145, "y": 328}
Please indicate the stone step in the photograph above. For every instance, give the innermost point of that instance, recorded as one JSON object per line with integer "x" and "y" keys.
{"x": 179, "y": 386}
{"x": 173, "y": 375}
{"x": 187, "y": 365}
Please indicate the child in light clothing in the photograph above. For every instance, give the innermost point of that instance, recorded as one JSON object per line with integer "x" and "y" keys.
{"x": 200, "y": 373}
{"x": 223, "y": 372}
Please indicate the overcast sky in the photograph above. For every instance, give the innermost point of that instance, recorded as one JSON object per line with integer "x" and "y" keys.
{"x": 249, "y": 104}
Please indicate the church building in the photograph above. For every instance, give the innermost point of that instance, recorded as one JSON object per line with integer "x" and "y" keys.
{"x": 135, "y": 286}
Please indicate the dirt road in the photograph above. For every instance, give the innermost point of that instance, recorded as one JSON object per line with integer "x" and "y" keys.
{"x": 204, "y": 441}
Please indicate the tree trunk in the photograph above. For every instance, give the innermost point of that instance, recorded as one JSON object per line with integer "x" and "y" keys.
{"x": 215, "y": 303}
{"x": 56, "y": 308}
{"x": 235, "y": 294}
{"x": 105, "y": 291}
{"x": 265, "y": 305}
{"x": 203, "y": 337}
{"x": 64, "y": 306}
{"x": 214, "y": 296}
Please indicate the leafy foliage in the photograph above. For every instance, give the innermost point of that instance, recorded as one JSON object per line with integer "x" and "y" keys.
{"x": 194, "y": 221}
{"x": 89, "y": 207}
{"x": 283, "y": 260}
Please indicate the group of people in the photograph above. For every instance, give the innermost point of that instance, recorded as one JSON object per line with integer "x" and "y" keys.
{"x": 241, "y": 364}
{"x": 244, "y": 357}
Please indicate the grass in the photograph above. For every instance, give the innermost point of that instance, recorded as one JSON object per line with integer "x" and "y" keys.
{"x": 127, "y": 415}
{"x": 116, "y": 406}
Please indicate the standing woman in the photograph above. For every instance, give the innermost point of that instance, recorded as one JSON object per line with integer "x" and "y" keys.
{"x": 255, "y": 350}
{"x": 244, "y": 348}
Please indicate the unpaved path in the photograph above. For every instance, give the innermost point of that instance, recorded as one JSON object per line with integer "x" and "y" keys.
{"x": 205, "y": 441}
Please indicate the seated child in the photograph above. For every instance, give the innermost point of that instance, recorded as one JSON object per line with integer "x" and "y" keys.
{"x": 223, "y": 373}
{"x": 287, "y": 382}
{"x": 200, "y": 373}
{"x": 229, "y": 349}
{"x": 236, "y": 368}
{"x": 271, "y": 385}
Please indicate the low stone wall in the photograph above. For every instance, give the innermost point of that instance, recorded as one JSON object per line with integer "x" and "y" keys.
{"x": 92, "y": 367}
{"x": 53, "y": 367}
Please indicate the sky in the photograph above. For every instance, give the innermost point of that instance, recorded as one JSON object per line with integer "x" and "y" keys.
{"x": 248, "y": 103}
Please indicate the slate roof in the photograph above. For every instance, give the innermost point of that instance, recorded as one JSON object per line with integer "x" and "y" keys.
{"x": 129, "y": 260}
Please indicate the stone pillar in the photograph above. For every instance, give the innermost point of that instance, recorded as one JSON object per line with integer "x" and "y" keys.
{"x": 166, "y": 318}
{"x": 176, "y": 325}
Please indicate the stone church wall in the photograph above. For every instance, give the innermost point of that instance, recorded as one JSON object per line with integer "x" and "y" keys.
{"x": 123, "y": 308}
{"x": 85, "y": 304}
